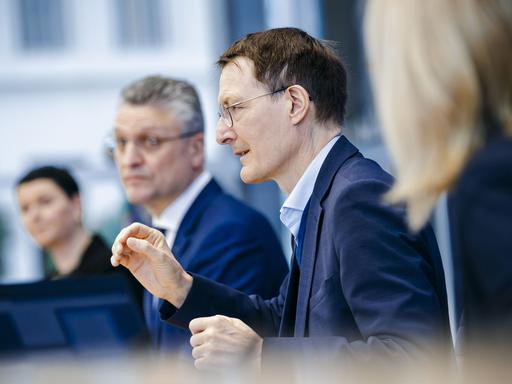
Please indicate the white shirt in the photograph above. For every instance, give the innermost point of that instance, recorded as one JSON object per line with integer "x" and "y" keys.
{"x": 294, "y": 205}
{"x": 171, "y": 217}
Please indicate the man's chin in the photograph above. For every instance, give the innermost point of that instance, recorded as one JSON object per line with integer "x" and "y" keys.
{"x": 137, "y": 199}
{"x": 250, "y": 178}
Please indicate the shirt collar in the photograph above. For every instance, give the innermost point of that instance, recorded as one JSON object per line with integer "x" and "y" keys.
{"x": 291, "y": 211}
{"x": 171, "y": 217}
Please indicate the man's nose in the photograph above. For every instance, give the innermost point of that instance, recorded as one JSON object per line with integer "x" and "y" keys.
{"x": 224, "y": 134}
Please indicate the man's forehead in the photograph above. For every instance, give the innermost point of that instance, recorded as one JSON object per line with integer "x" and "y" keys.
{"x": 129, "y": 111}
{"x": 143, "y": 128}
{"x": 241, "y": 66}
{"x": 144, "y": 119}
{"x": 236, "y": 80}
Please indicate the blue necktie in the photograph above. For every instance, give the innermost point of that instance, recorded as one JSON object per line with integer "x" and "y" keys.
{"x": 300, "y": 235}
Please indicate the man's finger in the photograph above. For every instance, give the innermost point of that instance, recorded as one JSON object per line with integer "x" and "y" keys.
{"x": 198, "y": 339}
{"x": 119, "y": 249}
{"x": 115, "y": 260}
{"x": 119, "y": 241}
{"x": 144, "y": 247}
{"x": 213, "y": 362}
{"x": 137, "y": 230}
{"x": 201, "y": 363}
{"x": 199, "y": 351}
{"x": 199, "y": 324}
{"x": 122, "y": 258}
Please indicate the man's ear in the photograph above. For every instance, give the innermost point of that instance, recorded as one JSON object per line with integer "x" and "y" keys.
{"x": 196, "y": 150}
{"x": 300, "y": 103}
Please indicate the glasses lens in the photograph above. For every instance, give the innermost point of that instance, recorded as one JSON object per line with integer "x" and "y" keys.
{"x": 109, "y": 146}
{"x": 229, "y": 119}
{"x": 226, "y": 116}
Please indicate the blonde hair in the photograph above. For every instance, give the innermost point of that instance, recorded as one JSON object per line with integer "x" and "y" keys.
{"x": 437, "y": 66}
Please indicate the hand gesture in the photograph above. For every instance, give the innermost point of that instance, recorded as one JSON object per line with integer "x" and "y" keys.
{"x": 144, "y": 251}
{"x": 220, "y": 342}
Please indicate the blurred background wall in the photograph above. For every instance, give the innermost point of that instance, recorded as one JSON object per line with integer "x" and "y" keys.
{"x": 63, "y": 62}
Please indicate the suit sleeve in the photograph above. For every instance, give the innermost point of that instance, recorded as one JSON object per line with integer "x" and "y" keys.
{"x": 232, "y": 263}
{"x": 208, "y": 298}
{"x": 247, "y": 259}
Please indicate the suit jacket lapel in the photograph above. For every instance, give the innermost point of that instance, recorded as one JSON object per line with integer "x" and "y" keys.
{"x": 286, "y": 328}
{"x": 307, "y": 266}
{"x": 192, "y": 217}
{"x": 340, "y": 152}
{"x": 181, "y": 243}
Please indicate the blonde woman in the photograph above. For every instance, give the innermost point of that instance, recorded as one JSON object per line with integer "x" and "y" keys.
{"x": 442, "y": 76}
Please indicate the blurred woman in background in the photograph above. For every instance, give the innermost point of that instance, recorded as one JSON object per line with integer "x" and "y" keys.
{"x": 51, "y": 210}
{"x": 442, "y": 76}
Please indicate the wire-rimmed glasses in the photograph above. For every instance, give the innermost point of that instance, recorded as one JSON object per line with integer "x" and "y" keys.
{"x": 225, "y": 114}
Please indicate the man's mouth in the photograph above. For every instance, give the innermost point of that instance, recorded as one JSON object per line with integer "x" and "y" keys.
{"x": 133, "y": 179}
{"x": 241, "y": 153}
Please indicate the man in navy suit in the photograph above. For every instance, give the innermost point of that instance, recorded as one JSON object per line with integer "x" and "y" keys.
{"x": 360, "y": 282}
{"x": 159, "y": 152}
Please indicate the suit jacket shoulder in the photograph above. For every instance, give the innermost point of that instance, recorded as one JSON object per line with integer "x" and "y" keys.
{"x": 229, "y": 242}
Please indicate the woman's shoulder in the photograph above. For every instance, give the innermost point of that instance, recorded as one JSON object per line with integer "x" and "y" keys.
{"x": 96, "y": 258}
{"x": 98, "y": 243}
{"x": 490, "y": 166}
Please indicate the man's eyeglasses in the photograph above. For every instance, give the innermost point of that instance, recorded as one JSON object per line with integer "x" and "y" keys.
{"x": 224, "y": 111}
{"x": 149, "y": 143}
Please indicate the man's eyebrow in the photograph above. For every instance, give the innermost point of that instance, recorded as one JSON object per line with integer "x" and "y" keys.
{"x": 228, "y": 97}
{"x": 142, "y": 130}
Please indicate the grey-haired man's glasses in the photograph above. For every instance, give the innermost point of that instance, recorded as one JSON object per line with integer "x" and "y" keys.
{"x": 148, "y": 143}
{"x": 224, "y": 111}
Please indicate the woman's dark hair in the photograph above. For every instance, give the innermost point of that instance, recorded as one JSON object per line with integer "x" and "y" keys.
{"x": 60, "y": 176}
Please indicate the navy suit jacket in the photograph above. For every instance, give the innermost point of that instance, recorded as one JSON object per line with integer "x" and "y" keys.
{"x": 226, "y": 241}
{"x": 365, "y": 284}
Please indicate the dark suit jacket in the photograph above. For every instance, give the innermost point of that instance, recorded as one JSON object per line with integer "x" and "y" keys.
{"x": 365, "y": 282}
{"x": 226, "y": 241}
{"x": 481, "y": 219}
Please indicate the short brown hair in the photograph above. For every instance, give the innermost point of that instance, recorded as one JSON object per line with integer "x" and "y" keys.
{"x": 287, "y": 56}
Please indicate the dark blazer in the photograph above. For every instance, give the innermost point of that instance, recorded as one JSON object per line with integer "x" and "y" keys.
{"x": 481, "y": 222}
{"x": 226, "y": 241}
{"x": 95, "y": 260}
{"x": 365, "y": 282}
